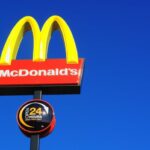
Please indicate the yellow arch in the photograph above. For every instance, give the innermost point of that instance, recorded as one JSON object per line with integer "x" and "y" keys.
{"x": 57, "y": 23}
{"x": 41, "y": 39}
{"x": 15, "y": 37}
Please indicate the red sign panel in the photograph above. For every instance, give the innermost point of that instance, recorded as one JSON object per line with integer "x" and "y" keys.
{"x": 53, "y": 76}
{"x": 49, "y": 72}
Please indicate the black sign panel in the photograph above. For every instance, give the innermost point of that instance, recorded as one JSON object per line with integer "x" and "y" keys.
{"x": 36, "y": 117}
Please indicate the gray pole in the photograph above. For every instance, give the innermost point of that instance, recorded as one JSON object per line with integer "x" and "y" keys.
{"x": 35, "y": 139}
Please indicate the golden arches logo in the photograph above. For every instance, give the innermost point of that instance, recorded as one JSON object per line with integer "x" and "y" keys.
{"x": 40, "y": 39}
{"x": 52, "y": 76}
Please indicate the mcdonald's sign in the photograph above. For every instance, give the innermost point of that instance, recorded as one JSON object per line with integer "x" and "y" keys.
{"x": 52, "y": 76}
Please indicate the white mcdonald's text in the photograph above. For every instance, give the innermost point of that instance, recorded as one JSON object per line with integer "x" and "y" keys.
{"x": 42, "y": 72}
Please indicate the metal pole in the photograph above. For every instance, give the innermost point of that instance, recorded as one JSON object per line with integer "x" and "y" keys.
{"x": 37, "y": 94}
{"x": 35, "y": 142}
{"x": 35, "y": 139}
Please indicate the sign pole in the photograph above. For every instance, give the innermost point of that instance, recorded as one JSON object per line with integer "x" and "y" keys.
{"x": 35, "y": 142}
{"x": 35, "y": 139}
{"x": 36, "y": 119}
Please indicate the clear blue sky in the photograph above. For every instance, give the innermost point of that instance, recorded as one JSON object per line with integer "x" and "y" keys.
{"x": 113, "y": 110}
